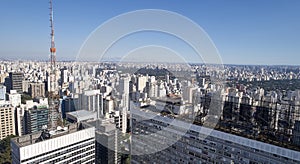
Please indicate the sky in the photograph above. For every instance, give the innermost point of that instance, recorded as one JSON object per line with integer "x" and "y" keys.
{"x": 244, "y": 32}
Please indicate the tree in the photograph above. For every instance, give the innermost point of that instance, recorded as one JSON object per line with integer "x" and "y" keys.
{"x": 25, "y": 97}
{"x": 5, "y": 150}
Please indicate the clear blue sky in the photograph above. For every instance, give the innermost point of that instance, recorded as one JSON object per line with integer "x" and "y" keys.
{"x": 245, "y": 32}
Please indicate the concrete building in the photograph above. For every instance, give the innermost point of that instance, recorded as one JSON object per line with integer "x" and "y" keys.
{"x": 296, "y": 134}
{"x": 37, "y": 89}
{"x": 107, "y": 141}
{"x": 21, "y": 114}
{"x": 63, "y": 75}
{"x": 7, "y": 121}
{"x": 2, "y": 92}
{"x": 35, "y": 118}
{"x": 64, "y": 145}
{"x": 14, "y": 98}
{"x": 158, "y": 139}
{"x": 20, "y": 121}
{"x": 121, "y": 120}
{"x": 124, "y": 91}
{"x": 92, "y": 100}
{"x": 14, "y": 82}
{"x": 69, "y": 104}
{"x": 81, "y": 115}
{"x": 25, "y": 85}
{"x": 141, "y": 83}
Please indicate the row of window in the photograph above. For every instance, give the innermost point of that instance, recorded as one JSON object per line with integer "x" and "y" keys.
{"x": 57, "y": 150}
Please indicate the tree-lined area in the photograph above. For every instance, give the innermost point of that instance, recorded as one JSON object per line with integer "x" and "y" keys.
{"x": 275, "y": 84}
{"x": 5, "y": 153}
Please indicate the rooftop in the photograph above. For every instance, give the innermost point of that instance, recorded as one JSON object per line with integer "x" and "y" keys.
{"x": 103, "y": 125}
{"x": 36, "y": 137}
{"x": 218, "y": 133}
{"x": 82, "y": 115}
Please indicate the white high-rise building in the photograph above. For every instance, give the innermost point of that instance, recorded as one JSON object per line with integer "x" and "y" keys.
{"x": 141, "y": 83}
{"x": 7, "y": 121}
{"x": 124, "y": 85}
{"x": 161, "y": 92}
{"x": 65, "y": 145}
{"x": 92, "y": 100}
{"x": 124, "y": 120}
{"x": 124, "y": 90}
{"x": 14, "y": 98}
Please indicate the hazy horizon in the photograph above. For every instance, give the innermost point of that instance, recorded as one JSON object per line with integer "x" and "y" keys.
{"x": 244, "y": 32}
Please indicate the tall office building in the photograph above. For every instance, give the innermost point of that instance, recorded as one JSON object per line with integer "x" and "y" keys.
{"x": 68, "y": 104}
{"x": 92, "y": 100}
{"x": 2, "y": 92}
{"x": 64, "y": 145}
{"x": 141, "y": 83}
{"x": 7, "y": 118}
{"x": 296, "y": 133}
{"x": 121, "y": 120}
{"x": 14, "y": 98}
{"x": 63, "y": 75}
{"x": 37, "y": 90}
{"x": 35, "y": 118}
{"x": 107, "y": 141}
{"x": 14, "y": 82}
{"x": 19, "y": 121}
{"x": 124, "y": 91}
{"x": 124, "y": 85}
{"x": 25, "y": 85}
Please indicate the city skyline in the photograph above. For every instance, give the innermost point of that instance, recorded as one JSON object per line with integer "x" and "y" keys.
{"x": 150, "y": 81}
{"x": 244, "y": 32}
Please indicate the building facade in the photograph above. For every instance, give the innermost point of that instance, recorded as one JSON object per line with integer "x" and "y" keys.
{"x": 35, "y": 118}
{"x": 2, "y": 92}
{"x": 107, "y": 150}
{"x": 37, "y": 90}
{"x": 14, "y": 82}
{"x": 7, "y": 121}
{"x": 71, "y": 145}
{"x": 158, "y": 139}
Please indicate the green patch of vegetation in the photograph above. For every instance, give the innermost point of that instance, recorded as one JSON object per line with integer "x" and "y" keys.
{"x": 25, "y": 97}
{"x": 5, "y": 150}
{"x": 293, "y": 84}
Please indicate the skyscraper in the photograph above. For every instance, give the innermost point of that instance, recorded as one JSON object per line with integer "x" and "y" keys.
{"x": 35, "y": 119}
{"x": 14, "y": 98}
{"x": 7, "y": 118}
{"x": 14, "y": 82}
{"x": 141, "y": 83}
{"x": 37, "y": 90}
{"x": 63, "y": 76}
{"x": 107, "y": 141}
{"x": 2, "y": 92}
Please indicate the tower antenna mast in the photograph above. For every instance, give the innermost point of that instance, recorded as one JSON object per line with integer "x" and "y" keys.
{"x": 52, "y": 48}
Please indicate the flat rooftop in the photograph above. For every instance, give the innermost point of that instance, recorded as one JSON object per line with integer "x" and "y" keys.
{"x": 82, "y": 115}
{"x": 289, "y": 151}
{"x": 33, "y": 138}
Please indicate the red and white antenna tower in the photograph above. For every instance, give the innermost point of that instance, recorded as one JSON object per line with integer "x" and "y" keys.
{"x": 52, "y": 48}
